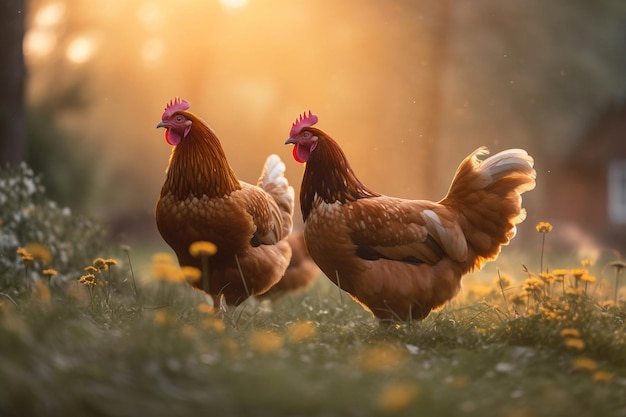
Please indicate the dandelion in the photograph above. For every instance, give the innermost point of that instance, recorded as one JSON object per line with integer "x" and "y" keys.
{"x": 602, "y": 376}
{"x": 301, "y": 330}
{"x": 99, "y": 264}
{"x": 534, "y": 287}
{"x": 190, "y": 273}
{"x": 88, "y": 280}
{"x": 384, "y": 357}
{"x": 110, "y": 262}
{"x": 162, "y": 318}
{"x": 213, "y": 323}
{"x": 569, "y": 331}
{"x": 39, "y": 252}
{"x": 574, "y": 343}
{"x": 543, "y": 228}
{"x": 202, "y": 248}
{"x": 264, "y": 341}
{"x": 586, "y": 263}
{"x": 206, "y": 308}
{"x": 587, "y": 279}
{"x": 578, "y": 274}
{"x": 397, "y": 396}
{"x": 49, "y": 272}
{"x": 90, "y": 268}
{"x": 583, "y": 363}
{"x": 28, "y": 259}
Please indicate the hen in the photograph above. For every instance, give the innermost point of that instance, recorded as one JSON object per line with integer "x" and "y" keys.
{"x": 402, "y": 258}
{"x": 202, "y": 200}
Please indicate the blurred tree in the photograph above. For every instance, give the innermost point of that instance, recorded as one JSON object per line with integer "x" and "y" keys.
{"x": 12, "y": 119}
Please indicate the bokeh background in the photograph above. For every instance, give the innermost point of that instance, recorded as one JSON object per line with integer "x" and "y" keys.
{"x": 408, "y": 88}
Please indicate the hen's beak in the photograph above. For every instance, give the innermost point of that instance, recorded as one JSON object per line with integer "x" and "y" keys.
{"x": 162, "y": 123}
{"x": 288, "y": 141}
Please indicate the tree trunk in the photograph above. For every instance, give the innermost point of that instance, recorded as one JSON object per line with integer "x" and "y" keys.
{"x": 12, "y": 74}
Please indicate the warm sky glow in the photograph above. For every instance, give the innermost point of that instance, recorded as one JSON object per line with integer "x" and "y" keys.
{"x": 233, "y": 4}
{"x": 81, "y": 49}
{"x": 49, "y": 15}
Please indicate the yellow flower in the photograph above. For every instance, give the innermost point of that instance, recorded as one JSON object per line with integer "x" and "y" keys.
{"x": 22, "y": 252}
{"x": 110, "y": 262}
{"x": 190, "y": 273}
{"x": 214, "y": 323}
{"x": 574, "y": 343}
{"x": 100, "y": 264}
{"x": 586, "y": 262}
{"x": 569, "y": 331}
{"x": 91, "y": 268}
{"x": 583, "y": 363}
{"x": 202, "y": 248}
{"x": 301, "y": 330}
{"x": 39, "y": 252}
{"x": 163, "y": 318}
{"x": 49, "y": 272}
{"x": 206, "y": 308}
{"x": 383, "y": 357}
{"x": 588, "y": 278}
{"x": 578, "y": 272}
{"x": 544, "y": 227}
{"x": 162, "y": 257}
{"x": 503, "y": 281}
{"x": 547, "y": 278}
{"x": 88, "y": 279}
{"x": 602, "y": 376}
{"x": 397, "y": 396}
{"x": 27, "y": 259}
{"x": 264, "y": 341}
{"x": 166, "y": 272}
{"x": 533, "y": 286}
{"x": 559, "y": 274}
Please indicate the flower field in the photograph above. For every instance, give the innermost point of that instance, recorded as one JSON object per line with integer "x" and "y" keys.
{"x": 85, "y": 331}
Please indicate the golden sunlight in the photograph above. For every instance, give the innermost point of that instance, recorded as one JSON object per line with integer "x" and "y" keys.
{"x": 233, "y": 4}
{"x": 81, "y": 49}
{"x": 39, "y": 42}
{"x": 49, "y": 15}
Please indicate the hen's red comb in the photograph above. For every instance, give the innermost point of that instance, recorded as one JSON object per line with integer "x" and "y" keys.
{"x": 301, "y": 122}
{"x": 173, "y": 106}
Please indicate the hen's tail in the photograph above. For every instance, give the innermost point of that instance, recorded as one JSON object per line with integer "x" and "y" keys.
{"x": 487, "y": 194}
{"x": 273, "y": 181}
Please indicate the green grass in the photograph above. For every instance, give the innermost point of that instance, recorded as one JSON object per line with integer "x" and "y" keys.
{"x": 536, "y": 347}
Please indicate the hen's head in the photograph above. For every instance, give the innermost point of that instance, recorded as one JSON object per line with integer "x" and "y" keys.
{"x": 175, "y": 122}
{"x": 303, "y": 138}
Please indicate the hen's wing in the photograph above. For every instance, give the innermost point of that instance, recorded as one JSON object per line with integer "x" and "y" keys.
{"x": 270, "y": 203}
{"x": 264, "y": 214}
{"x": 414, "y": 231}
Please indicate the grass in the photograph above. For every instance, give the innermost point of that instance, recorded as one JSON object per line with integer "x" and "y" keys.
{"x": 134, "y": 341}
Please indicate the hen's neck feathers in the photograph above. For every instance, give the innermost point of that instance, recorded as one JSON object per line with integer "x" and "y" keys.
{"x": 198, "y": 165}
{"x": 329, "y": 176}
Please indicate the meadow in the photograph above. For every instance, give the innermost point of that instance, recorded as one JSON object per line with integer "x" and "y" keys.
{"x": 84, "y": 332}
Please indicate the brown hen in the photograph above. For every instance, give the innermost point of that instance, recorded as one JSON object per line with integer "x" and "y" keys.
{"x": 402, "y": 258}
{"x": 202, "y": 200}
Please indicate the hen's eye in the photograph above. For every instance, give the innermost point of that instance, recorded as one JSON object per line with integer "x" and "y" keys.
{"x": 306, "y": 134}
{"x": 179, "y": 118}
